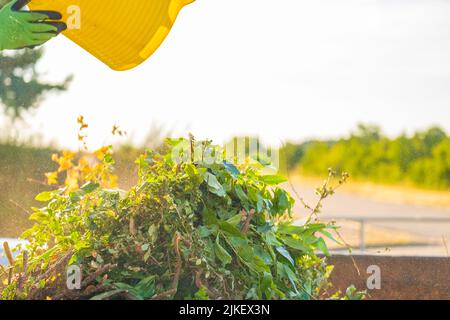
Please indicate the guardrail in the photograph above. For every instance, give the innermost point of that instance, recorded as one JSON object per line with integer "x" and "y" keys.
{"x": 365, "y": 220}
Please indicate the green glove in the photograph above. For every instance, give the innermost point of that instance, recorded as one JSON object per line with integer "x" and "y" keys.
{"x": 20, "y": 28}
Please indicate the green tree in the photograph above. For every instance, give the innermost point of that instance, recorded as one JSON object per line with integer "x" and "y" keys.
{"x": 423, "y": 158}
{"x": 432, "y": 137}
{"x": 21, "y": 85}
{"x": 367, "y": 133}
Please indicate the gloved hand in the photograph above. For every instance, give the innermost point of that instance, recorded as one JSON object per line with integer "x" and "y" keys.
{"x": 20, "y": 28}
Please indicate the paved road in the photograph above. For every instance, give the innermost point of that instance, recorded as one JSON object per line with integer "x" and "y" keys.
{"x": 350, "y": 205}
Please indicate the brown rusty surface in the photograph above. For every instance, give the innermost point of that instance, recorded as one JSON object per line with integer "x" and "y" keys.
{"x": 402, "y": 278}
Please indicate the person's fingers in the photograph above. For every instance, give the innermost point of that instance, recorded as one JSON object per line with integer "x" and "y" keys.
{"x": 27, "y": 41}
{"x": 42, "y": 37}
{"x": 36, "y": 16}
{"x": 19, "y": 4}
{"x": 42, "y": 27}
{"x": 54, "y": 27}
{"x": 34, "y": 44}
{"x": 32, "y": 16}
{"x": 52, "y": 15}
{"x": 59, "y": 25}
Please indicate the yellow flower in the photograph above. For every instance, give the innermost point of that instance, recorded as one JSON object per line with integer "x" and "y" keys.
{"x": 113, "y": 181}
{"x": 65, "y": 162}
{"x": 72, "y": 180}
{"x": 52, "y": 177}
{"x": 68, "y": 155}
{"x": 100, "y": 153}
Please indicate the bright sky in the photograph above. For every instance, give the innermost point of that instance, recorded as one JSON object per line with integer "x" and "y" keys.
{"x": 283, "y": 69}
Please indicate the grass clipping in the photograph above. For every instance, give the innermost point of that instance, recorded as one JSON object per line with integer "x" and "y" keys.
{"x": 191, "y": 228}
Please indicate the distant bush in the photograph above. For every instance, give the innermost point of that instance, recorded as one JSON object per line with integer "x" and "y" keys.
{"x": 422, "y": 158}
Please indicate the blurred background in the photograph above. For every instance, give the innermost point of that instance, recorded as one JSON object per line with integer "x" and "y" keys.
{"x": 356, "y": 85}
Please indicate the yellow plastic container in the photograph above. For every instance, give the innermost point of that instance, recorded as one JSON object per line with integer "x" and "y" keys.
{"x": 120, "y": 33}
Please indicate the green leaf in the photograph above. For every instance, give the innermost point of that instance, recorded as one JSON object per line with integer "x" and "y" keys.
{"x": 209, "y": 217}
{"x": 90, "y": 187}
{"x": 191, "y": 170}
{"x": 240, "y": 193}
{"x": 221, "y": 253}
{"x": 260, "y": 204}
{"x": 214, "y": 185}
{"x": 291, "y": 276}
{"x": 230, "y": 229}
{"x": 146, "y": 287}
{"x": 235, "y": 220}
{"x": 286, "y": 228}
{"x": 271, "y": 239}
{"x": 231, "y": 168}
{"x": 245, "y": 252}
{"x": 201, "y": 294}
{"x": 323, "y": 246}
{"x": 39, "y": 216}
{"x": 76, "y": 195}
{"x": 266, "y": 227}
{"x": 286, "y": 254}
{"x": 204, "y": 231}
{"x": 253, "y": 194}
{"x": 44, "y": 196}
{"x": 295, "y": 244}
{"x": 263, "y": 255}
{"x": 330, "y": 236}
{"x": 282, "y": 200}
{"x": 273, "y": 179}
{"x": 152, "y": 233}
{"x": 266, "y": 284}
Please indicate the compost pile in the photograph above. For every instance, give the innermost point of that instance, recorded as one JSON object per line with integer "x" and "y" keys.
{"x": 190, "y": 228}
